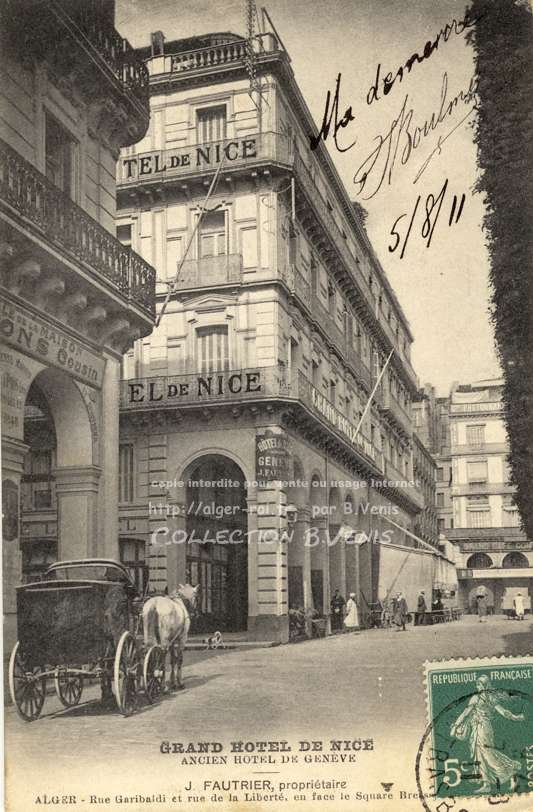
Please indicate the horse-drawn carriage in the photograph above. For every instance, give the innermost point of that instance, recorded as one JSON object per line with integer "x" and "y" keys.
{"x": 82, "y": 622}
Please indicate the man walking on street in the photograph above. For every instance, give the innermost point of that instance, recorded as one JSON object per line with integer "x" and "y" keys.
{"x": 400, "y": 614}
{"x": 519, "y": 606}
{"x": 337, "y": 611}
{"x": 420, "y": 616}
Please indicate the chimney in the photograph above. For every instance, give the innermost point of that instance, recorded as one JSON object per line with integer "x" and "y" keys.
{"x": 158, "y": 43}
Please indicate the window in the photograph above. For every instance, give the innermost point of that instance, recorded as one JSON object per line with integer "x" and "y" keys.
{"x": 60, "y": 156}
{"x": 440, "y": 500}
{"x": 475, "y": 435}
{"x": 479, "y": 561}
{"x": 211, "y": 124}
{"x": 331, "y": 298}
{"x": 348, "y": 326}
{"x": 477, "y": 471}
{"x": 174, "y": 255}
{"x": 39, "y": 480}
{"x": 133, "y": 556}
{"x": 212, "y": 348}
{"x": 332, "y": 391}
{"x": 441, "y": 525}
{"x": 478, "y": 518}
{"x": 125, "y": 472}
{"x": 124, "y": 234}
{"x": 212, "y": 234}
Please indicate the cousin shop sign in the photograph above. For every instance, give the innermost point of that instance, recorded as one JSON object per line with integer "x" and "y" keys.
{"x": 32, "y": 335}
{"x": 187, "y": 159}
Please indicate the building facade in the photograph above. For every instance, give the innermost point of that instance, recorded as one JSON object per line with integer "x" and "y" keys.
{"x": 72, "y": 297}
{"x": 493, "y": 555}
{"x": 425, "y": 472}
{"x": 239, "y": 413}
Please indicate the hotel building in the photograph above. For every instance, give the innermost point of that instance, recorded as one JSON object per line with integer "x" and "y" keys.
{"x": 239, "y": 412}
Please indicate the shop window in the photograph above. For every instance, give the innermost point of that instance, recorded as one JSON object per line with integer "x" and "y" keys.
{"x": 60, "y": 156}
{"x": 211, "y": 124}
{"x": 212, "y": 234}
{"x": 38, "y": 479}
{"x": 133, "y": 555}
{"x": 212, "y": 348}
{"x": 126, "y": 472}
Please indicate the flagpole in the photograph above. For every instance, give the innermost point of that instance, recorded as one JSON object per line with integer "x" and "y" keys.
{"x": 380, "y": 376}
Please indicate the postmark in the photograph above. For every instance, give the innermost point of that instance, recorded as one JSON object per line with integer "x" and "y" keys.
{"x": 479, "y": 740}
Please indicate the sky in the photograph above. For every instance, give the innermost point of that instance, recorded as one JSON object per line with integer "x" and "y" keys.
{"x": 443, "y": 288}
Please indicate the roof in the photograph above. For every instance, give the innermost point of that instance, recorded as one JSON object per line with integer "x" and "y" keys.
{"x": 90, "y": 562}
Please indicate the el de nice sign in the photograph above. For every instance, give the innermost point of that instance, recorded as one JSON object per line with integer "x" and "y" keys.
{"x": 186, "y": 159}
{"x": 179, "y": 390}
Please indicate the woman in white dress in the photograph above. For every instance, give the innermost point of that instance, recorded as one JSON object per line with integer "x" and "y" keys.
{"x": 351, "y": 619}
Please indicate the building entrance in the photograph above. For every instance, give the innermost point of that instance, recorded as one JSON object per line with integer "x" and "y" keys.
{"x": 217, "y": 548}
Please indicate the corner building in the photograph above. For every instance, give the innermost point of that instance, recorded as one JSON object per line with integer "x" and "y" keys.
{"x": 72, "y": 298}
{"x": 238, "y": 413}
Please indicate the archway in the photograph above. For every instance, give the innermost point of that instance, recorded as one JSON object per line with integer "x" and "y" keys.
{"x": 217, "y": 549}
{"x": 515, "y": 560}
{"x": 479, "y": 561}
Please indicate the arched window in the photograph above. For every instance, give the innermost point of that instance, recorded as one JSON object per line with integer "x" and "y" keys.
{"x": 479, "y": 561}
{"x": 515, "y": 560}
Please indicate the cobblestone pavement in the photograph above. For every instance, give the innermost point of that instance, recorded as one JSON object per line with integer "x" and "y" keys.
{"x": 347, "y": 686}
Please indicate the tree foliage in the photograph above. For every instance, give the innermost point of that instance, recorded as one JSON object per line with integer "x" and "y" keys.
{"x": 503, "y": 45}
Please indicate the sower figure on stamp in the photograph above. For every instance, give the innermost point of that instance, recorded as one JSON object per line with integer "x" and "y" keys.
{"x": 400, "y": 612}
{"x": 337, "y": 610}
{"x": 420, "y": 616}
{"x": 475, "y": 724}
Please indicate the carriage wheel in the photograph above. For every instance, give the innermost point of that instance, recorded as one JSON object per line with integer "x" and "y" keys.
{"x": 126, "y": 674}
{"x": 68, "y": 688}
{"x": 154, "y": 673}
{"x": 27, "y": 688}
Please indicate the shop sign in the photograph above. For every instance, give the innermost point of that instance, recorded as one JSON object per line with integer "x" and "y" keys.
{"x": 178, "y": 161}
{"x": 272, "y": 456}
{"x": 10, "y": 510}
{"x": 494, "y": 546}
{"x": 34, "y": 336}
{"x": 326, "y": 410}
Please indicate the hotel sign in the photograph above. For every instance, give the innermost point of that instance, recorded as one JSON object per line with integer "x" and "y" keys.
{"x": 34, "y": 336}
{"x": 326, "y": 410}
{"x": 179, "y": 390}
{"x": 272, "y": 456}
{"x": 186, "y": 159}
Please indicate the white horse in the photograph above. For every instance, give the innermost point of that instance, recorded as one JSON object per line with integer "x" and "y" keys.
{"x": 166, "y": 623}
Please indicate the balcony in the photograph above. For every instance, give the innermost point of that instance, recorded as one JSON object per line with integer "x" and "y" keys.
{"x": 472, "y": 488}
{"x": 225, "y": 269}
{"x": 52, "y": 217}
{"x": 479, "y": 448}
{"x": 196, "y": 159}
{"x": 392, "y": 409}
{"x": 476, "y": 408}
{"x": 81, "y": 44}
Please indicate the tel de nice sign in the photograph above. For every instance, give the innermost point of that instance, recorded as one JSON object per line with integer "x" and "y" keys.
{"x": 186, "y": 159}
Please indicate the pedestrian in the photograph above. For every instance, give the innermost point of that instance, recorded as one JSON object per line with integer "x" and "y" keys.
{"x": 400, "y": 613}
{"x": 420, "y": 614}
{"x": 519, "y": 606}
{"x": 351, "y": 620}
{"x": 481, "y": 606}
{"x": 337, "y": 611}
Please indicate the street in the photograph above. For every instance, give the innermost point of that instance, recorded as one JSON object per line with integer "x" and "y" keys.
{"x": 357, "y": 686}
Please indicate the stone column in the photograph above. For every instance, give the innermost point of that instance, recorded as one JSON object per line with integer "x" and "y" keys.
{"x": 320, "y": 553}
{"x": 77, "y": 511}
{"x": 107, "y": 543}
{"x": 300, "y": 551}
{"x": 271, "y": 621}
{"x": 13, "y": 453}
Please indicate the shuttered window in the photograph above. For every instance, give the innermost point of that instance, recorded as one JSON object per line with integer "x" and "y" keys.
{"x": 126, "y": 472}
{"x": 212, "y": 349}
{"x": 211, "y": 124}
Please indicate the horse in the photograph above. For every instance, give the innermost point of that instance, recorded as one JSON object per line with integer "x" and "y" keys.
{"x": 166, "y": 623}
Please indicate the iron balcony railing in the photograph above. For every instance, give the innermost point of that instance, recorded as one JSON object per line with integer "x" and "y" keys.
{"x": 194, "y": 159}
{"x": 96, "y": 24}
{"x": 471, "y": 408}
{"x": 220, "y": 270}
{"x": 65, "y": 225}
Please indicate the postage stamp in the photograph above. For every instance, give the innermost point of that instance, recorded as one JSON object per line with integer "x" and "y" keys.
{"x": 480, "y": 731}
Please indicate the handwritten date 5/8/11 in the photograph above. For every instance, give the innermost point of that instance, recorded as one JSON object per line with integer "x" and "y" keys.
{"x": 433, "y": 206}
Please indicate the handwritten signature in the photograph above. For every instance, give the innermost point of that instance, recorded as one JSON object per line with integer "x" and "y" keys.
{"x": 403, "y": 138}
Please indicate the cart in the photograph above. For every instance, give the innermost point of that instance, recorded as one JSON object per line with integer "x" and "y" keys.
{"x": 80, "y": 623}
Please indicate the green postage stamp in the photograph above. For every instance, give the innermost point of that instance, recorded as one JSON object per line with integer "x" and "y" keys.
{"x": 480, "y": 733}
